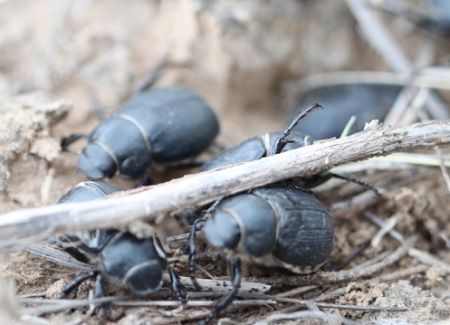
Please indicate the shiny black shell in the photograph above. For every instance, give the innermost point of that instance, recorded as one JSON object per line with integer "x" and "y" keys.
{"x": 365, "y": 101}
{"x": 163, "y": 125}
{"x": 120, "y": 257}
{"x": 253, "y": 149}
{"x": 306, "y": 233}
{"x": 290, "y": 225}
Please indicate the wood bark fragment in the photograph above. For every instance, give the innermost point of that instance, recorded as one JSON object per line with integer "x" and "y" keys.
{"x": 20, "y": 228}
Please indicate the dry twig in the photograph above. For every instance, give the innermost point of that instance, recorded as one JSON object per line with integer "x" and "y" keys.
{"x": 422, "y": 256}
{"x": 19, "y": 228}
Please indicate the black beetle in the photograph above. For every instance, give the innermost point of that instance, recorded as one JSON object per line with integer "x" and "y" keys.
{"x": 437, "y": 18}
{"x": 270, "y": 144}
{"x": 164, "y": 126}
{"x": 277, "y": 226}
{"x": 261, "y": 146}
{"x": 364, "y": 101}
{"x": 120, "y": 258}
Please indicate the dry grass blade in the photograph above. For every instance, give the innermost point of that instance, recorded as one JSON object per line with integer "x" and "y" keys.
{"x": 443, "y": 166}
{"x": 422, "y": 256}
{"x": 57, "y": 305}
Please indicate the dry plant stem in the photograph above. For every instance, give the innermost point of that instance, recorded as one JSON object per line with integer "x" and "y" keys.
{"x": 382, "y": 41}
{"x": 357, "y": 203}
{"x": 315, "y": 303}
{"x": 225, "y": 285}
{"x": 423, "y": 78}
{"x": 20, "y": 228}
{"x": 334, "y": 277}
{"x": 421, "y": 256}
{"x": 52, "y": 306}
{"x": 328, "y": 318}
{"x": 442, "y": 166}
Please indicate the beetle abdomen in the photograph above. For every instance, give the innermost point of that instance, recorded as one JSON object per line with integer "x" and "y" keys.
{"x": 179, "y": 124}
{"x": 364, "y": 101}
{"x": 305, "y": 234}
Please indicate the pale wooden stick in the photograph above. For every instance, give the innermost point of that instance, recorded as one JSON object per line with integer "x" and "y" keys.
{"x": 20, "y": 228}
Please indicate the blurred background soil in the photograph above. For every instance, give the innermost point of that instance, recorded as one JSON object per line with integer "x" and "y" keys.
{"x": 60, "y": 59}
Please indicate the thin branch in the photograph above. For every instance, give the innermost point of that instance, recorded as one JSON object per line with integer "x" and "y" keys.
{"x": 22, "y": 227}
{"x": 56, "y": 305}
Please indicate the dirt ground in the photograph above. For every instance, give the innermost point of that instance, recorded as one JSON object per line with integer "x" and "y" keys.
{"x": 59, "y": 59}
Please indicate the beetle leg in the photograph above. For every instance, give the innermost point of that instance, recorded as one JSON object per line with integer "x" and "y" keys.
{"x": 193, "y": 163}
{"x": 68, "y": 140}
{"x": 350, "y": 179}
{"x": 346, "y": 262}
{"x": 226, "y": 300}
{"x": 105, "y": 306}
{"x": 196, "y": 226}
{"x": 177, "y": 288}
{"x": 99, "y": 293}
{"x": 75, "y": 283}
{"x": 154, "y": 74}
{"x": 145, "y": 180}
{"x": 282, "y": 140}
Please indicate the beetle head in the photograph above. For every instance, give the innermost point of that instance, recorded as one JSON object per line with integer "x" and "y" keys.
{"x": 222, "y": 230}
{"x": 96, "y": 163}
{"x": 144, "y": 279}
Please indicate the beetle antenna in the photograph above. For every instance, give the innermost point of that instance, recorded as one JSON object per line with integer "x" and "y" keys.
{"x": 350, "y": 179}
{"x": 196, "y": 226}
{"x": 281, "y": 141}
{"x": 75, "y": 283}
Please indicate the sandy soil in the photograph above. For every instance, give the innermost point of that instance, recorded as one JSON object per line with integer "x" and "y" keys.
{"x": 61, "y": 58}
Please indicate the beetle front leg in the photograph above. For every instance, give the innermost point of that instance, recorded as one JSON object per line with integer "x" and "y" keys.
{"x": 75, "y": 283}
{"x": 105, "y": 306}
{"x": 196, "y": 226}
{"x": 226, "y": 300}
{"x": 68, "y": 140}
{"x": 177, "y": 288}
{"x": 99, "y": 293}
